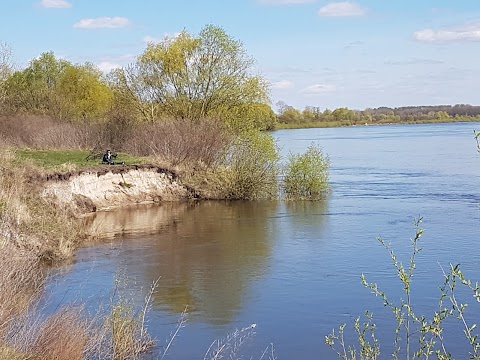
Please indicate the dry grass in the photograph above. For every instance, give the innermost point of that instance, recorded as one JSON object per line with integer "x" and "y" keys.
{"x": 21, "y": 284}
{"x": 64, "y": 336}
{"x": 229, "y": 347}
{"x": 28, "y": 221}
{"x": 68, "y": 334}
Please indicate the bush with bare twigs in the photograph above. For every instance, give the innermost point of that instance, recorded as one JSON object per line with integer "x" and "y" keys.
{"x": 180, "y": 142}
{"x": 40, "y": 132}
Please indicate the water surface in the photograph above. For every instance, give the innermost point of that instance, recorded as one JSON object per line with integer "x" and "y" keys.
{"x": 294, "y": 268}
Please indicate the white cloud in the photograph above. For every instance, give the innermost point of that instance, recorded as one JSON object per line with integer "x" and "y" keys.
{"x": 469, "y": 32}
{"x": 102, "y": 23}
{"x": 285, "y": 2}
{"x": 107, "y": 66}
{"x": 57, "y": 4}
{"x": 339, "y": 9}
{"x": 282, "y": 85}
{"x": 319, "y": 89}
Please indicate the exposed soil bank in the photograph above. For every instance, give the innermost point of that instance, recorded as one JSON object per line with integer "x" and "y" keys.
{"x": 115, "y": 186}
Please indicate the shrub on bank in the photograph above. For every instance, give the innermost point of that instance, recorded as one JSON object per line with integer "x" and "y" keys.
{"x": 251, "y": 168}
{"x": 306, "y": 176}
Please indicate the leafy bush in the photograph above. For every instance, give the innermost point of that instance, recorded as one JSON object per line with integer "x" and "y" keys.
{"x": 251, "y": 168}
{"x": 306, "y": 175}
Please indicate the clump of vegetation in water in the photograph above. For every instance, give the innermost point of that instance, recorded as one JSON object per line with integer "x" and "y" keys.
{"x": 251, "y": 168}
{"x": 411, "y": 327}
{"x": 306, "y": 175}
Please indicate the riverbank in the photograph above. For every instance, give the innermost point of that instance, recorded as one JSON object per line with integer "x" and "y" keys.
{"x": 41, "y": 201}
{"x": 36, "y": 227}
{"x": 115, "y": 186}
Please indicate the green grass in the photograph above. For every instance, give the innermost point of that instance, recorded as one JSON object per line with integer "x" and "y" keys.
{"x": 56, "y": 158}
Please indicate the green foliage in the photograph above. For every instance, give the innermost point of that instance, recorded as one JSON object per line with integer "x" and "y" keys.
{"x": 55, "y": 87}
{"x": 83, "y": 94}
{"x": 191, "y": 77}
{"x": 343, "y": 114}
{"x": 306, "y": 175}
{"x": 428, "y": 333}
{"x": 250, "y": 116}
{"x": 35, "y": 89}
{"x": 251, "y": 168}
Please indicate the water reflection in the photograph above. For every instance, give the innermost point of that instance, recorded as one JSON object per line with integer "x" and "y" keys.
{"x": 207, "y": 254}
{"x": 207, "y": 257}
{"x": 135, "y": 220}
{"x": 308, "y": 215}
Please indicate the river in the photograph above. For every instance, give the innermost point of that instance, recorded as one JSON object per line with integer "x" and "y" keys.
{"x": 294, "y": 268}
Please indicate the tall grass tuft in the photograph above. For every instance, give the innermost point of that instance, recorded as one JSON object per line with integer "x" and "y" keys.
{"x": 63, "y": 336}
{"x": 21, "y": 284}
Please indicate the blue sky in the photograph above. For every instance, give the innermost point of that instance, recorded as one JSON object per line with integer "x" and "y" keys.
{"x": 329, "y": 54}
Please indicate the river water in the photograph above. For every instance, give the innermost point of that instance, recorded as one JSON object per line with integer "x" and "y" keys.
{"x": 294, "y": 268}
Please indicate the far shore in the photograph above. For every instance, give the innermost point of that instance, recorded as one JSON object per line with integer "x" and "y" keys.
{"x": 332, "y": 124}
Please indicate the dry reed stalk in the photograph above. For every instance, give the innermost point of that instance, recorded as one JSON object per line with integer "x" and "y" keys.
{"x": 229, "y": 346}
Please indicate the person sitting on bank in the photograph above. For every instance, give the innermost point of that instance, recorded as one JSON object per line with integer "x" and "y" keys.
{"x": 108, "y": 159}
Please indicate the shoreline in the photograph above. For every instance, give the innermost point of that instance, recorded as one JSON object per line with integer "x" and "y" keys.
{"x": 326, "y": 125}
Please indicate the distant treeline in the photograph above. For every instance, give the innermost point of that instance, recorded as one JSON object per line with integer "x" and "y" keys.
{"x": 290, "y": 117}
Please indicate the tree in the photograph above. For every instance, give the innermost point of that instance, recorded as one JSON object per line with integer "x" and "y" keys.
{"x": 6, "y": 63}
{"x": 58, "y": 88}
{"x": 194, "y": 77}
{"x": 133, "y": 97}
{"x": 35, "y": 88}
{"x": 83, "y": 94}
{"x": 6, "y": 68}
{"x": 291, "y": 115}
{"x": 343, "y": 114}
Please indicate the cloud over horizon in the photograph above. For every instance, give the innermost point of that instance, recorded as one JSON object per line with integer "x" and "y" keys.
{"x": 55, "y": 4}
{"x": 465, "y": 33}
{"x": 342, "y": 9}
{"x": 102, "y": 23}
